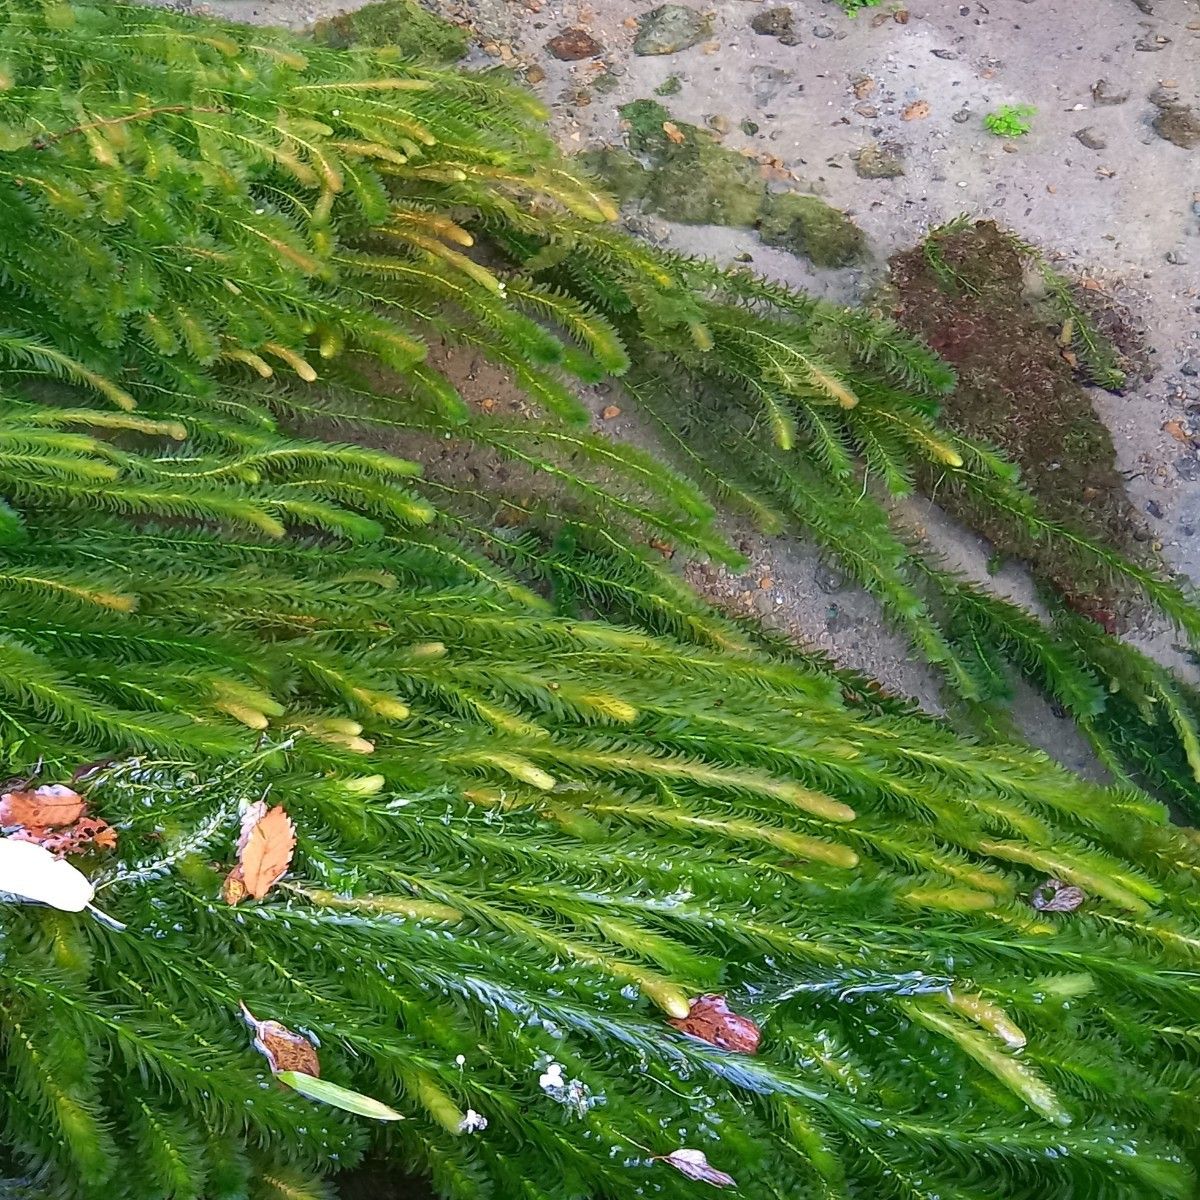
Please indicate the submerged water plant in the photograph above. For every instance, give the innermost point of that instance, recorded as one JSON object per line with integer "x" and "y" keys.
{"x": 602, "y": 893}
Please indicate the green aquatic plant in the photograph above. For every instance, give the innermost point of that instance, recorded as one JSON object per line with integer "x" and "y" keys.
{"x": 544, "y": 797}
{"x": 1010, "y": 120}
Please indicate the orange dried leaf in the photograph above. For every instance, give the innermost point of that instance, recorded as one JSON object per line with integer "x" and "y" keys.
{"x": 673, "y": 132}
{"x": 1177, "y": 431}
{"x": 233, "y": 890}
{"x": 711, "y": 1020}
{"x": 283, "y": 1049}
{"x": 105, "y": 837}
{"x": 610, "y": 413}
{"x": 50, "y": 806}
{"x": 265, "y": 849}
{"x": 918, "y": 110}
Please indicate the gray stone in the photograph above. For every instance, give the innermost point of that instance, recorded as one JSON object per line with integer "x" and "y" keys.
{"x": 1176, "y": 258}
{"x": 671, "y": 28}
{"x": 1103, "y": 95}
{"x": 1178, "y": 124}
{"x": 837, "y": 621}
{"x": 1191, "y": 364}
{"x": 876, "y": 161}
{"x": 962, "y": 116}
{"x": 778, "y": 23}
{"x": 829, "y": 579}
{"x": 1151, "y": 45}
{"x": 1187, "y": 467}
{"x": 948, "y": 55}
{"x": 823, "y": 31}
{"x": 719, "y": 124}
{"x": 767, "y": 83}
{"x": 1090, "y": 138}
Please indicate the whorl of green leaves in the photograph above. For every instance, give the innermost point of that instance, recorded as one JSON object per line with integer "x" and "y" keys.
{"x": 524, "y": 836}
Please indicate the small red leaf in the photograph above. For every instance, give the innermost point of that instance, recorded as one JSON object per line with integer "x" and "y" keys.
{"x": 711, "y": 1020}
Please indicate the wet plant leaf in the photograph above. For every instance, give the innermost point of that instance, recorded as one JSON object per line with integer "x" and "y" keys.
{"x": 711, "y": 1020}
{"x": 339, "y": 1097}
{"x": 1056, "y": 896}
{"x": 694, "y": 1164}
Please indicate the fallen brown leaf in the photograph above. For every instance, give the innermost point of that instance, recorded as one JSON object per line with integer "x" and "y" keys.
{"x": 283, "y": 1049}
{"x": 918, "y": 110}
{"x": 84, "y": 834}
{"x": 54, "y": 817}
{"x": 711, "y": 1020}
{"x": 673, "y": 132}
{"x": 50, "y": 806}
{"x": 265, "y": 849}
{"x": 611, "y": 412}
{"x": 1177, "y": 431}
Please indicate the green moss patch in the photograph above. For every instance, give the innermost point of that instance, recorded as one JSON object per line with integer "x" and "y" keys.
{"x": 964, "y": 292}
{"x": 403, "y": 24}
{"x": 679, "y": 172}
{"x": 808, "y": 226}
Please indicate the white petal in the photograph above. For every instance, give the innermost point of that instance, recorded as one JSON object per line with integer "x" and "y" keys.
{"x": 33, "y": 873}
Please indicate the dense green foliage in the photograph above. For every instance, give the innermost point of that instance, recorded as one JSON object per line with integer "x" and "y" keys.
{"x": 526, "y": 835}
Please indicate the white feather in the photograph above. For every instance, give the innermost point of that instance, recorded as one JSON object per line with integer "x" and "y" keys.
{"x": 33, "y": 873}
